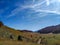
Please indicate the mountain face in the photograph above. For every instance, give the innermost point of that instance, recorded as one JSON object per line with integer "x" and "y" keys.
{"x": 50, "y": 29}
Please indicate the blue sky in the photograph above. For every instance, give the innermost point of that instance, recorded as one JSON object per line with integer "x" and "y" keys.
{"x": 30, "y": 14}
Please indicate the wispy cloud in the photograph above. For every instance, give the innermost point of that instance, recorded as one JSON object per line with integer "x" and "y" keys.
{"x": 22, "y": 7}
{"x": 16, "y": 10}
{"x": 48, "y": 11}
{"x": 35, "y": 7}
{"x": 47, "y": 2}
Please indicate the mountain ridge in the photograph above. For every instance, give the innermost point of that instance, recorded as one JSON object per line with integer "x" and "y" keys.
{"x": 50, "y": 29}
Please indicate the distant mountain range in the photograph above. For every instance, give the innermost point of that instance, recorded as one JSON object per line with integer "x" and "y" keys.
{"x": 50, "y": 29}
{"x": 25, "y": 31}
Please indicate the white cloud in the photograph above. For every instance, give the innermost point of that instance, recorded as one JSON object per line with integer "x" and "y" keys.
{"x": 19, "y": 8}
{"x": 33, "y": 1}
{"x": 48, "y": 11}
{"x": 15, "y": 11}
{"x": 38, "y": 4}
{"x": 58, "y": 0}
{"x": 34, "y": 7}
{"x": 47, "y": 2}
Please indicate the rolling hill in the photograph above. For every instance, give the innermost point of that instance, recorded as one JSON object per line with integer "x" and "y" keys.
{"x": 50, "y": 29}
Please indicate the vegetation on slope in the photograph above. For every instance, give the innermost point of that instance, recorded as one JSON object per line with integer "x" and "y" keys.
{"x": 10, "y": 36}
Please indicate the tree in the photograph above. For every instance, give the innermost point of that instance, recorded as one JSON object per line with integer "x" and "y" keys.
{"x": 1, "y": 23}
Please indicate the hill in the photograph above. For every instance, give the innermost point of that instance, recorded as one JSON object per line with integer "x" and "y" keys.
{"x": 50, "y": 29}
{"x": 10, "y": 36}
{"x": 6, "y": 32}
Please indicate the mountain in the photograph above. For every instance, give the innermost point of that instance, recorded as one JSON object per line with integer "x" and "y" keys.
{"x": 25, "y": 31}
{"x": 50, "y": 29}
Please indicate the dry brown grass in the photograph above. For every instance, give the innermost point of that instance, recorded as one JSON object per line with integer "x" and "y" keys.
{"x": 16, "y": 43}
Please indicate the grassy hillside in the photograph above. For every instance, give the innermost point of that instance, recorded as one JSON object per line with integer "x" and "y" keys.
{"x": 9, "y": 36}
